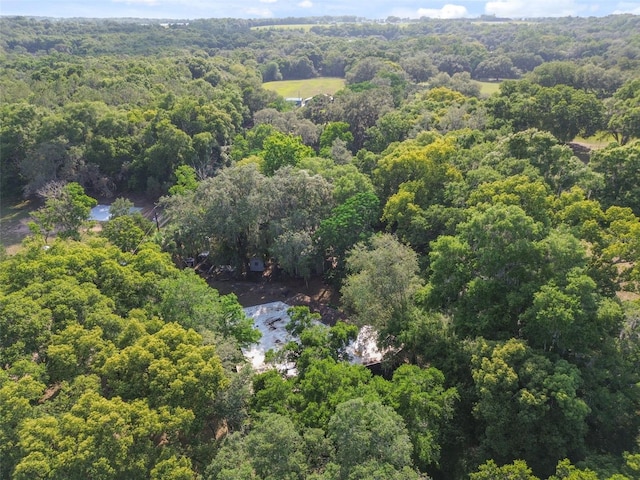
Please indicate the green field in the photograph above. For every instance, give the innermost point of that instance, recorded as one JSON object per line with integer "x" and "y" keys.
{"x": 301, "y": 26}
{"x": 488, "y": 88}
{"x": 599, "y": 140}
{"x": 305, "y": 88}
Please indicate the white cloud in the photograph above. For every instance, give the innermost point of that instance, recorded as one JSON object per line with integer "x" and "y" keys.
{"x": 268, "y": 1}
{"x": 529, "y": 8}
{"x": 259, "y": 12}
{"x": 447, "y": 11}
{"x": 627, "y": 7}
{"x": 138, "y": 2}
{"x": 306, "y": 4}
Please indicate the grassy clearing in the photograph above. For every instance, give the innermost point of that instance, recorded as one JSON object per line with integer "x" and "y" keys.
{"x": 14, "y": 215}
{"x": 299, "y": 26}
{"x": 307, "y": 26}
{"x": 599, "y": 140}
{"x": 488, "y": 88}
{"x": 305, "y": 88}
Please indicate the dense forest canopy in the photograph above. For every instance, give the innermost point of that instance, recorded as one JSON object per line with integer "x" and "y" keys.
{"x": 492, "y": 241}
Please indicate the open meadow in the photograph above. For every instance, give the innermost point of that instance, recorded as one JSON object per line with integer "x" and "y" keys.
{"x": 305, "y": 88}
{"x": 488, "y": 88}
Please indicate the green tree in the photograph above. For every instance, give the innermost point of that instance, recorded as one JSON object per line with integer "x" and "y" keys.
{"x": 567, "y": 112}
{"x": 252, "y": 141}
{"x": 185, "y": 180}
{"x": 168, "y": 148}
{"x": 331, "y": 132}
{"x": 414, "y": 161}
{"x": 288, "y": 122}
{"x": 297, "y": 203}
{"x": 271, "y": 72}
{"x": 120, "y": 207}
{"x": 67, "y": 209}
{"x": 362, "y": 110}
{"x": 172, "y": 468}
{"x": 518, "y": 470}
{"x": 276, "y": 448}
{"x": 17, "y": 138}
{"x": 393, "y": 126}
{"x": 368, "y": 431}
{"x": 620, "y": 168}
{"x": 571, "y": 316}
{"x": 77, "y": 350}
{"x": 273, "y": 449}
{"x": 224, "y": 215}
{"x": 279, "y": 150}
{"x": 168, "y": 368}
{"x": 561, "y": 109}
{"x": 124, "y": 232}
{"x": 25, "y": 326}
{"x": 18, "y": 396}
{"x": 603, "y": 82}
{"x": 624, "y": 112}
{"x": 325, "y": 384}
{"x": 126, "y": 227}
{"x": 348, "y": 224}
{"x": 189, "y": 301}
{"x": 498, "y": 67}
{"x": 566, "y": 471}
{"x": 485, "y": 275}
{"x": 550, "y": 74}
{"x": 231, "y": 461}
{"x": 296, "y": 253}
{"x": 381, "y": 284}
{"x": 314, "y": 341}
{"x": 516, "y": 386}
{"x": 555, "y": 163}
{"x": 420, "y": 66}
{"x": 99, "y": 437}
{"x": 426, "y": 406}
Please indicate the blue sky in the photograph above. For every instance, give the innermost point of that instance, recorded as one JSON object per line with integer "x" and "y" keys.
{"x": 375, "y": 9}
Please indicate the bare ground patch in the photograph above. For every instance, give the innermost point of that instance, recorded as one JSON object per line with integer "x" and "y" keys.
{"x": 315, "y": 294}
{"x": 14, "y": 222}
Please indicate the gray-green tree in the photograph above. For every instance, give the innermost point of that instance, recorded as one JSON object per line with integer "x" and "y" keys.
{"x": 66, "y": 210}
{"x": 381, "y": 283}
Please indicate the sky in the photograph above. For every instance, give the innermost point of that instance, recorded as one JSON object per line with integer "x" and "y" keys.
{"x": 373, "y": 9}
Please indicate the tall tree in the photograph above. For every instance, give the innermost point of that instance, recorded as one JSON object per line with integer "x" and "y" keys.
{"x": 189, "y": 301}
{"x": 382, "y": 281}
{"x": 620, "y": 167}
{"x": 486, "y": 274}
{"x": 348, "y": 224}
{"x": 624, "y": 112}
{"x": 518, "y": 388}
{"x": 420, "y": 397}
{"x": 368, "y": 431}
{"x": 67, "y": 208}
{"x": 279, "y": 150}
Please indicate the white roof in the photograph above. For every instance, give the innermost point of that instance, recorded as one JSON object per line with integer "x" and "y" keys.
{"x": 271, "y": 319}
